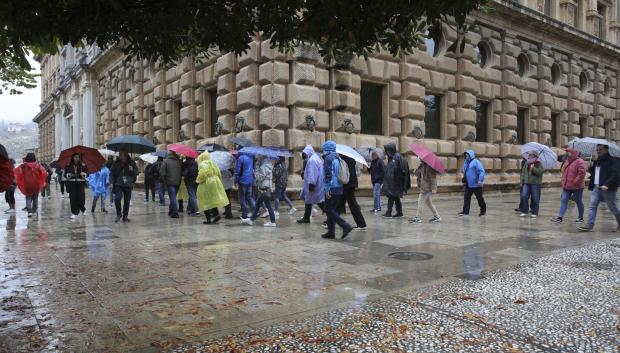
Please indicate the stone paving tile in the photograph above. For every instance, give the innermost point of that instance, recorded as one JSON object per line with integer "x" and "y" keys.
{"x": 155, "y": 283}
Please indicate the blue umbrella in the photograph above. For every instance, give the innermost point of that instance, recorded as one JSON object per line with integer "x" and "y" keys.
{"x": 281, "y": 151}
{"x": 260, "y": 151}
{"x": 162, "y": 154}
{"x": 131, "y": 143}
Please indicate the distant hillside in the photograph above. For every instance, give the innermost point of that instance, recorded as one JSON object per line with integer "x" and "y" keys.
{"x": 17, "y": 143}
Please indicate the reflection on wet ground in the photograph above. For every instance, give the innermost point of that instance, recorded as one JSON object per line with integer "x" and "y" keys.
{"x": 92, "y": 285}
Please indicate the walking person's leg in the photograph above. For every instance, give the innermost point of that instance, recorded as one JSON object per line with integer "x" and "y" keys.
{"x": 610, "y": 200}
{"x": 535, "y": 191}
{"x": 578, "y": 197}
{"x": 431, "y": 205}
{"x": 29, "y": 204}
{"x": 286, "y": 199}
{"x": 564, "y": 203}
{"x": 467, "y": 200}
{"x": 126, "y": 202}
{"x": 330, "y": 210}
{"x": 147, "y": 187}
{"x": 241, "y": 193}
{"x": 356, "y": 212}
{"x": 92, "y": 208}
{"x": 335, "y": 217}
{"x": 277, "y": 194}
{"x": 258, "y": 204}
{"x": 418, "y": 212}
{"x": 481, "y": 203}
{"x": 376, "y": 192}
{"x": 117, "y": 202}
{"x": 525, "y": 199}
{"x": 595, "y": 199}
{"x": 62, "y": 188}
{"x": 390, "y": 205}
{"x": 172, "y": 195}
{"x": 160, "y": 192}
{"x": 272, "y": 214}
{"x": 82, "y": 198}
{"x": 399, "y": 206}
{"x": 192, "y": 204}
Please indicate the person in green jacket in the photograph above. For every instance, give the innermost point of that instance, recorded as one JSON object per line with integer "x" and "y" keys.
{"x": 531, "y": 177}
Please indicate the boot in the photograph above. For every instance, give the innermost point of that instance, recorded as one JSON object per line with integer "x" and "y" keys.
{"x": 208, "y": 217}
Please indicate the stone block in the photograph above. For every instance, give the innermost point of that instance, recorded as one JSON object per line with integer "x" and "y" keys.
{"x": 510, "y": 107}
{"x": 226, "y": 104}
{"x": 356, "y": 83}
{"x": 412, "y": 109}
{"x": 199, "y": 95}
{"x": 298, "y": 139}
{"x": 342, "y": 100}
{"x": 160, "y": 136}
{"x": 394, "y": 106}
{"x": 273, "y": 94}
{"x": 206, "y": 77}
{"x": 508, "y": 121}
{"x": 303, "y": 118}
{"x": 252, "y": 55}
{"x": 343, "y": 120}
{"x": 226, "y": 84}
{"x": 465, "y": 83}
{"x": 466, "y": 99}
{"x": 159, "y": 92}
{"x": 445, "y": 148}
{"x": 188, "y": 80}
{"x": 249, "y": 97}
{"x": 199, "y": 130}
{"x": 188, "y": 114}
{"x": 322, "y": 120}
{"x": 273, "y": 137}
{"x": 247, "y": 119}
{"x": 254, "y": 136}
{"x": 269, "y": 53}
{"x": 226, "y": 63}
{"x": 188, "y": 130}
{"x": 465, "y": 116}
{"x": 228, "y": 123}
{"x": 322, "y": 78}
{"x": 343, "y": 80}
{"x": 303, "y": 73}
{"x": 413, "y": 91}
{"x": 301, "y": 95}
{"x": 395, "y": 126}
{"x": 343, "y": 138}
{"x": 465, "y": 130}
{"x": 187, "y": 96}
{"x": 170, "y": 136}
{"x": 247, "y": 76}
{"x": 273, "y": 117}
{"x": 159, "y": 122}
{"x": 138, "y": 128}
{"x": 394, "y": 89}
{"x": 273, "y": 72}
{"x": 391, "y": 71}
{"x": 414, "y": 73}
{"x": 375, "y": 68}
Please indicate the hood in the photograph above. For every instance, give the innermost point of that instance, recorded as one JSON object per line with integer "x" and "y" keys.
{"x": 329, "y": 146}
{"x": 204, "y": 156}
{"x": 471, "y": 154}
{"x": 390, "y": 149}
{"x": 309, "y": 151}
{"x": 572, "y": 154}
{"x": 265, "y": 161}
{"x": 30, "y": 157}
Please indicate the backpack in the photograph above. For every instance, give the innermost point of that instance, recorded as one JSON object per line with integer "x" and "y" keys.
{"x": 343, "y": 173}
{"x": 154, "y": 170}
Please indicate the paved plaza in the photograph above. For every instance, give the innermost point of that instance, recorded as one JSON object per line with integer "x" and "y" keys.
{"x": 474, "y": 284}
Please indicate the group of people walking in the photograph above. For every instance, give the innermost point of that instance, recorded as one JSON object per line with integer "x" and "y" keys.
{"x": 329, "y": 182}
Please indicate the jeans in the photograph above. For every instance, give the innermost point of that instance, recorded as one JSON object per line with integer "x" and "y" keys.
{"x": 245, "y": 195}
{"x": 192, "y": 203}
{"x": 95, "y": 198}
{"x": 426, "y": 197}
{"x": 46, "y": 191}
{"x": 331, "y": 206}
{"x": 467, "y": 200}
{"x": 160, "y": 192}
{"x": 376, "y": 192}
{"x": 32, "y": 202}
{"x": 598, "y": 196}
{"x": 533, "y": 191}
{"x": 577, "y": 197}
{"x": 262, "y": 200}
{"x": 123, "y": 192}
{"x": 173, "y": 207}
{"x": 149, "y": 187}
{"x": 399, "y": 207}
{"x": 112, "y": 197}
{"x": 280, "y": 194}
{"x": 348, "y": 197}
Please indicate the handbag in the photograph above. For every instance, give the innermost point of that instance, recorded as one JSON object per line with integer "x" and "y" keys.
{"x": 265, "y": 194}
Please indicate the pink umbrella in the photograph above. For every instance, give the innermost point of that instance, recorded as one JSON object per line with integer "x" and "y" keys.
{"x": 428, "y": 157}
{"x": 182, "y": 149}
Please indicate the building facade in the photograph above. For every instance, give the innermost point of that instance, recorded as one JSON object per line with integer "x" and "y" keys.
{"x": 535, "y": 70}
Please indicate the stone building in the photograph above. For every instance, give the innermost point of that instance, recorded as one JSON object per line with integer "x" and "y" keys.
{"x": 534, "y": 70}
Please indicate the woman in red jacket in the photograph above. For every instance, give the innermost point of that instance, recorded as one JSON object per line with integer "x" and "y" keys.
{"x": 573, "y": 182}
{"x": 30, "y": 178}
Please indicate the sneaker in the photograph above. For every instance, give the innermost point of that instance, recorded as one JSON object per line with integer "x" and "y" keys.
{"x": 104, "y": 211}
{"x": 415, "y": 220}
{"x": 523, "y": 215}
{"x": 517, "y": 210}
{"x": 482, "y": 213}
{"x": 269, "y": 224}
{"x": 25, "y": 209}
{"x": 125, "y": 219}
{"x": 373, "y": 211}
{"x": 579, "y": 220}
{"x": 387, "y": 216}
{"x": 360, "y": 228}
{"x": 328, "y": 236}
{"x": 72, "y": 216}
{"x": 324, "y": 224}
{"x": 303, "y": 220}
{"x": 247, "y": 221}
{"x": 435, "y": 220}
{"x": 118, "y": 218}
{"x": 265, "y": 214}
{"x": 346, "y": 232}
{"x": 30, "y": 214}
{"x": 556, "y": 219}
{"x": 399, "y": 215}
{"x": 585, "y": 227}
{"x": 533, "y": 216}
{"x": 462, "y": 214}
{"x": 292, "y": 210}
{"x": 276, "y": 213}
{"x": 10, "y": 210}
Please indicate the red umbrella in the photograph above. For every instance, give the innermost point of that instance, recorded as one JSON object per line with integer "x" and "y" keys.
{"x": 90, "y": 156}
{"x": 428, "y": 157}
{"x": 182, "y": 149}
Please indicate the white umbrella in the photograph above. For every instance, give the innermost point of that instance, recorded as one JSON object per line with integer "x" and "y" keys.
{"x": 223, "y": 159}
{"x": 587, "y": 146}
{"x": 366, "y": 152}
{"x": 547, "y": 158}
{"x": 106, "y": 152}
{"x": 351, "y": 153}
{"x": 148, "y": 158}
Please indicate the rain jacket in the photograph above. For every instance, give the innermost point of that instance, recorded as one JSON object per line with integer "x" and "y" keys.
{"x": 610, "y": 167}
{"x": 352, "y": 165}
{"x": 397, "y": 179}
{"x": 244, "y": 170}
{"x": 182, "y": 193}
{"x": 264, "y": 175}
{"x": 473, "y": 170}
{"x": 331, "y": 169}
{"x": 99, "y": 182}
{"x": 313, "y": 175}
{"x": 210, "y": 192}
{"x": 573, "y": 171}
{"x": 7, "y": 176}
{"x": 427, "y": 178}
{"x": 377, "y": 171}
{"x": 280, "y": 173}
{"x": 121, "y": 176}
{"x": 532, "y": 173}
{"x": 170, "y": 171}
{"x": 30, "y": 178}
{"x": 189, "y": 171}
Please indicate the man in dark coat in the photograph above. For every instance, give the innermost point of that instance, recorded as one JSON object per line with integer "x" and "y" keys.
{"x": 348, "y": 195}
{"x": 396, "y": 180}
{"x": 170, "y": 175}
{"x": 123, "y": 175}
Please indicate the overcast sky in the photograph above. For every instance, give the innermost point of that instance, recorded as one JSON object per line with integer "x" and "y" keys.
{"x": 23, "y": 107}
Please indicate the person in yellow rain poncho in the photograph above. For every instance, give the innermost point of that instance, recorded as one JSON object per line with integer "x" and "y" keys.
{"x": 211, "y": 194}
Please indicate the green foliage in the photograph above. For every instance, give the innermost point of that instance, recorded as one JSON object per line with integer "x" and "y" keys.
{"x": 167, "y": 30}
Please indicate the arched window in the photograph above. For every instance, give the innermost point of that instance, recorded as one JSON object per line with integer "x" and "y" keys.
{"x": 556, "y": 73}
{"x": 433, "y": 45}
{"x": 583, "y": 82}
{"x": 483, "y": 54}
{"x": 523, "y": 65}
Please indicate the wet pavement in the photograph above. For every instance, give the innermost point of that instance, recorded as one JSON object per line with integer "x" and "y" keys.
{"x": 90, "y": 285}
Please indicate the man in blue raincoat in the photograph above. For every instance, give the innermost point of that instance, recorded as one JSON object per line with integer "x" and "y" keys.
{"x": 473, "y": 178}
{"x": 99, "y": 183}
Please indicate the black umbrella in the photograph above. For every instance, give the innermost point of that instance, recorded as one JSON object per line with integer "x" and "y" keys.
{"x": 54, "y": 164}
{"x": 242, "y": 141}
{"x": 131, "y": 143}
{"x": 3, "y": 153}
{"x": 212, "y": 147}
